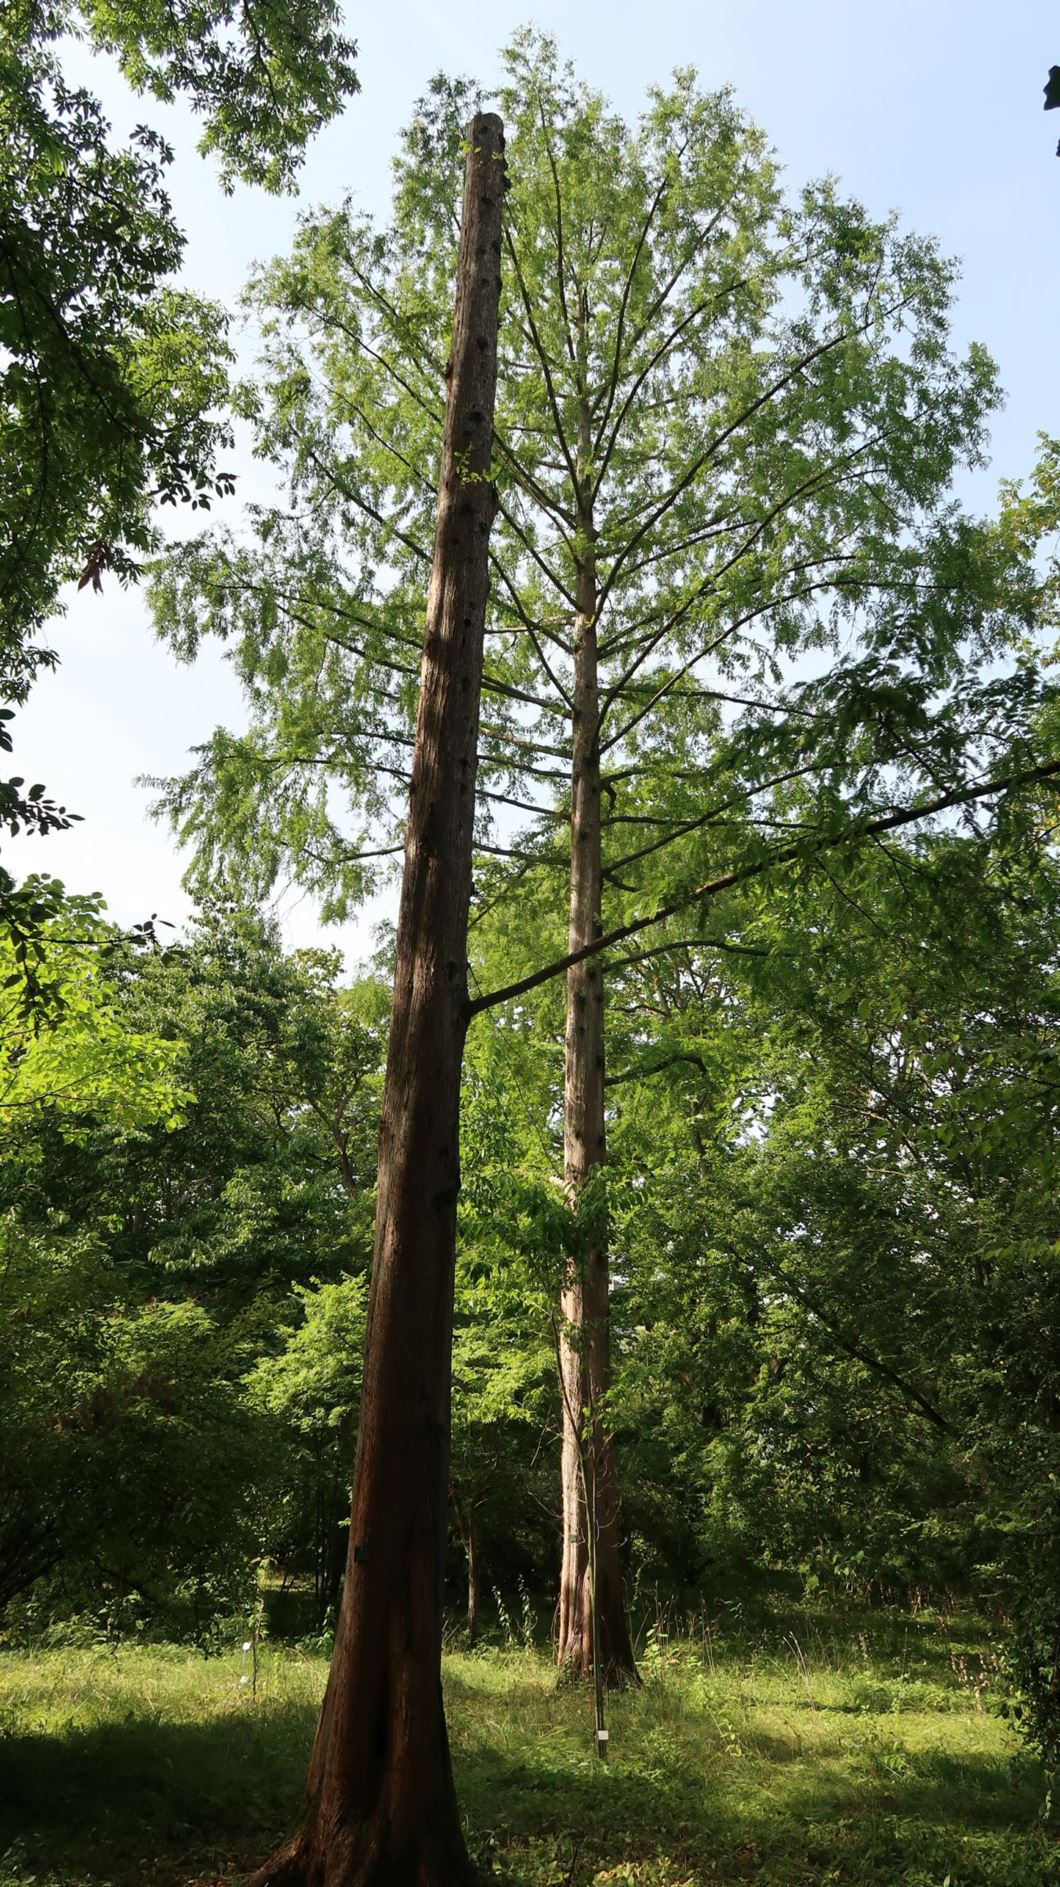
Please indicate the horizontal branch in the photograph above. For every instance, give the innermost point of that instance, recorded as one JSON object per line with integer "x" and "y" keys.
{"x": 690, "y": 944}
{"x": 742, "y": 874}
{"x": 645, "y": 1071}
{"x": 861, "y": 1354}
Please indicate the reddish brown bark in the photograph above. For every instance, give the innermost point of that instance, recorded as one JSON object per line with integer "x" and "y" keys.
{"x": 589, "y": 1481}
{"x": 379, "y": 1804}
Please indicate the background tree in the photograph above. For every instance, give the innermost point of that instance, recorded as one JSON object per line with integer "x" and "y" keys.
{"x": 917, "y": 1137}
{"x": 512, "y": 1233}
{"x": 312, "y": 1387}
{"x": 184, "y": 1153}
{"x": 91, "y": 1060}
{"x": 136, "y": 1475}
{"x": 113, "y": 380}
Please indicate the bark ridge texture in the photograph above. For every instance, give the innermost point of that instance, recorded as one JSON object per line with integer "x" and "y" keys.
{"x": 379, "y": 1804}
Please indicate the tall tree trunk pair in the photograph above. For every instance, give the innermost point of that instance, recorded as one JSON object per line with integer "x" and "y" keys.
{"x": 589, "y": 1481}
{"x": 380, "y": 1809}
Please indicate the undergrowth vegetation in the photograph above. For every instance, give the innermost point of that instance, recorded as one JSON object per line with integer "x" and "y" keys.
{"x": 860, "y": 1751}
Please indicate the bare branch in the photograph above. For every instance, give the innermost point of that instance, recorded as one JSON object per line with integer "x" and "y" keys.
{"x": 742, "y": 874}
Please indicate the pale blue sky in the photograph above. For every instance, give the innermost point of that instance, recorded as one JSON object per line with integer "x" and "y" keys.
{"x": 932, "y": 108}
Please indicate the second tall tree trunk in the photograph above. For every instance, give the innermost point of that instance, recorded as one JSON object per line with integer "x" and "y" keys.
{"x": 589, "y": 1482}
{"x": 380, "y": 1809}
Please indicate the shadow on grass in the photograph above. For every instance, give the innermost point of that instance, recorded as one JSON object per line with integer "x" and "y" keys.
{"x": 956, "y": 1818}
{"x": 944, "y": 1791}
{"x": 122, "y": 1802}
{"x": 142, "y": 1802}
{"x": 838, "y": 1638}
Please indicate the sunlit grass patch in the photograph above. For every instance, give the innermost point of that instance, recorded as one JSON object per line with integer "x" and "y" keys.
{"x": 788, "y": 1760}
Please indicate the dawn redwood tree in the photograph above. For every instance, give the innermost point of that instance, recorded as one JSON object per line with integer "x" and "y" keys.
{"x": 734, "y": 617}
{"x": 379, "y": 1805}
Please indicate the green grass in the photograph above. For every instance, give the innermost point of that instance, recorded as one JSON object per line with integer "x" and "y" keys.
{"x": 863, "y": 1753}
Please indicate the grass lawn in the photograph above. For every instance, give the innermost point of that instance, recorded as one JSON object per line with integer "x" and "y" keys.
{"x": 859, "y": 1752}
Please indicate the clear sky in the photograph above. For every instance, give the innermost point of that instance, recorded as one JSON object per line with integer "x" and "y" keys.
{"x": 930, "y": 107}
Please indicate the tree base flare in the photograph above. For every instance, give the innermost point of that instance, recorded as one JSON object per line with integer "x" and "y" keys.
{"x": 365, "y": 1857}
{"x": 574, "y": 1670}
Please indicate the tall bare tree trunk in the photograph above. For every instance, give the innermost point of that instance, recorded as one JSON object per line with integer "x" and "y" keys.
{"x": 584, "y": 1338}
{"x": 380, "y": 1809}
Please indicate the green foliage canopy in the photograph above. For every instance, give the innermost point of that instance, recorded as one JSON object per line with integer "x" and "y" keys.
{"x": 113, "y": 379}
{"x": 747, "y": 407}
